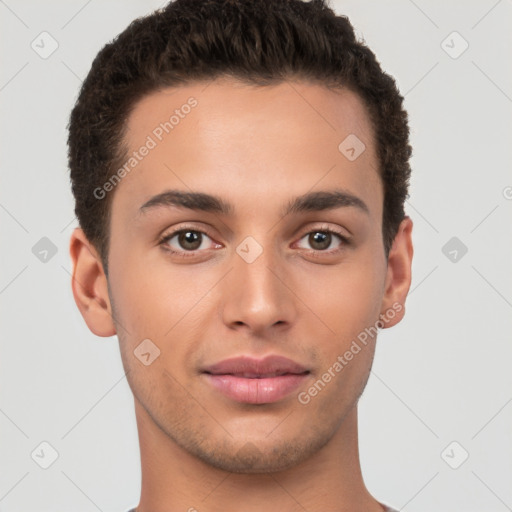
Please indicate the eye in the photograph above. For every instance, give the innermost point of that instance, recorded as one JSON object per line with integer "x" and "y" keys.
{"x": 321, "y": 239}
{"x": 187, "y": 242}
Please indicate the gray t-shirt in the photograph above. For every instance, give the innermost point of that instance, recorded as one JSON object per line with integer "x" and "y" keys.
{"x": 386, "y": 509}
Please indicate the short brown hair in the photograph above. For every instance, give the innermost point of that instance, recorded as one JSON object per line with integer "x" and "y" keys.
{"x": 260, "y": 42}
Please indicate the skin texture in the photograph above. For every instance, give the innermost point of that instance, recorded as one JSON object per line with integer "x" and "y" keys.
{"x": 256, "y": 148}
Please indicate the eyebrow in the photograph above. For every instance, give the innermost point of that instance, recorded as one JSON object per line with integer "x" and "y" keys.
{"x": 310, "y": 202}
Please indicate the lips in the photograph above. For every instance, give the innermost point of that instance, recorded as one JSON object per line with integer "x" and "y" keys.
{"x": 249, "y": 375}
{"x": 256, "y": 381}
{"x": 248, "y": 367}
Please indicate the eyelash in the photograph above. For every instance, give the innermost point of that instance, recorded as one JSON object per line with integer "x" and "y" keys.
{"x": 314, "y": 252}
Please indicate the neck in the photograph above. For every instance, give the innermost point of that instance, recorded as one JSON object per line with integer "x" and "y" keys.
{"x": 175, "y": 480}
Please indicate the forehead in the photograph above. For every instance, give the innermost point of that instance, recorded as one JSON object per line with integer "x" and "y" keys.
{"x": 312, "y": 108}
{"x": 249, "y": 140}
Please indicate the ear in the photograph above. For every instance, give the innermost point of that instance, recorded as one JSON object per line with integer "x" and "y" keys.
{"x": 398, "y": 277}
{"x": 89, "y": 285}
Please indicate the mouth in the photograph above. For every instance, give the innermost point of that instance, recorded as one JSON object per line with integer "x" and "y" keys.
{"x": 251, "y": 388}
{"x": 249, "y": 375}
{"x": 271, "y": 365}
{"x": 248, "y": 380}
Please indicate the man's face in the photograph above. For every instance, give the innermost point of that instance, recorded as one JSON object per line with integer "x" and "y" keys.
{"x": 252, "y": 282}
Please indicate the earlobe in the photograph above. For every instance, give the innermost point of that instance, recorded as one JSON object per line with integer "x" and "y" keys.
{"x": 89, "y": 285}
{"x": 398, "y": 277}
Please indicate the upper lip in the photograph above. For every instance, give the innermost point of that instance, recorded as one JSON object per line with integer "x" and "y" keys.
{"x": 250, "y": 367}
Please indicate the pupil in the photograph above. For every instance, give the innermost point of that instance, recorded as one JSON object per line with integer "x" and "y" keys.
{"x": 321, "y": 238}
{"x": 189, "y": 237}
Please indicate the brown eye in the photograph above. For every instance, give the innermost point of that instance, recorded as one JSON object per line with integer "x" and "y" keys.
{"x": 185, "y": 242}
{"x": 189, "y": 239}
{"x": 321, "y": 239}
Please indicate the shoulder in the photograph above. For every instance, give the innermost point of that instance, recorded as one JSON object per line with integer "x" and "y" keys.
{"x": 387, "y": 508}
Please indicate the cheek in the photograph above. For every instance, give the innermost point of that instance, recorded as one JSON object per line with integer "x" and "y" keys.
{"x": 351, "y": 310}
{"x": 166, "y": 305}
{"x": 133, "y": 304}
{"x": 348, "y": 299}
{"x": 140, "y": 289}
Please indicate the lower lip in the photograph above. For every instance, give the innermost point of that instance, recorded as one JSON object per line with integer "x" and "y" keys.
{"x": 256, "y": 391}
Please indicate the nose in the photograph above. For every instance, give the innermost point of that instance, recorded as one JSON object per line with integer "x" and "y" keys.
{"x": 258, "y": 292}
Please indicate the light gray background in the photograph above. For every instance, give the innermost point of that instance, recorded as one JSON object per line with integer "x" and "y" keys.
{"x": 441, "y": 375}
